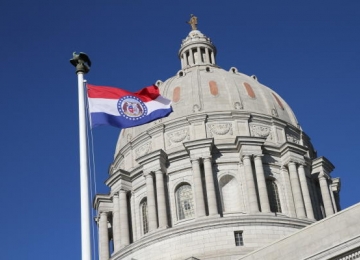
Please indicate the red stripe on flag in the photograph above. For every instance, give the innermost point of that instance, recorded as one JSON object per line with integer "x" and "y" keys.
{"x": 146, "y": 94}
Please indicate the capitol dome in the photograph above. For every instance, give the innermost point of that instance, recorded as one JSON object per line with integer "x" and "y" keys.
{"x": 228, "y": 172}
{"x": 202, "y": 87}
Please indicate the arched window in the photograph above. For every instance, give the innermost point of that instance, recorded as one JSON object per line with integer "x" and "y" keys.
{"x": 184, "y": 202}
{"x": 230, "y": 197}
{"x": 144, "y": 216}
{"x": 273, "y": 194}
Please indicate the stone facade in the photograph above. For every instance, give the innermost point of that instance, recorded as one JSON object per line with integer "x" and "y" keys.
{"x": 228, "y": 172}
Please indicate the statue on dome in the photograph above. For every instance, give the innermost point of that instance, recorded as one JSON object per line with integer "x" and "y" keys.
{"x": 193, "y": 22}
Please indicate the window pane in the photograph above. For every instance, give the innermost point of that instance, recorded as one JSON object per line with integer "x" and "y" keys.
{"x": 238, "y": 238}
{"x": 274, "y": 198}
{"x": 144, "y": 212}
{"x": 184, "y": 200}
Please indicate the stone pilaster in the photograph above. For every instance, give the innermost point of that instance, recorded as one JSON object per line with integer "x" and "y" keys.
{"x": 325, "y": 193}
{"x": 151, "y": 202}
{"x": 305, "y": 192}
{"x": 161, "y": 200}
{"x": 263, "y": 194}
{"x": 295, "y": 186}
{"x": 210, "y": 186}
{"x": 133, "y": 216}
{"x": 250, "y": 185}
{"x": 199, "y": 194}
{"x": 116, "y": 222}
{"x": 124, "y": 220}
{"x": 104, "y": 253}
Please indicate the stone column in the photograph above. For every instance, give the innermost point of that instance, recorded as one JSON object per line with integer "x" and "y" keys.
{"x": 198, "y": 188}
{"x": 305, "y": 192}
{"x": 199, "y": 56}
{"x": 210, "y": 186}
{"x": 104, "y": 253}
{"x": 250, "y": 185}
{"x": 324, "y": 187}
{"x": 151, "y": 202}
{"x": 124, "y": 220}
{"x": 191, "y": 56}
{"x": 161, "y": 200}
{"x": 263, "y": 194}
{"x": 288, "y": 192}
{"x": 133, "y": 216}
{"x": 212, "y": 58}
{"x": 295, "y": 185}
{"x": 207, "y": 58}
{"x": 116, "y": 222}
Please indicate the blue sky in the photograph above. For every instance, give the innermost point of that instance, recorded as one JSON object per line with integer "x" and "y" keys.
{"x": 307, "y": 51}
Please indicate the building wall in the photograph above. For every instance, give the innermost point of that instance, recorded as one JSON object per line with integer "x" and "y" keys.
{"x": 209, "y": 238}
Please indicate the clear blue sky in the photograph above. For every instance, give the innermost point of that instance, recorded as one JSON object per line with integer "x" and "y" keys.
{"x": 307, "y": 51}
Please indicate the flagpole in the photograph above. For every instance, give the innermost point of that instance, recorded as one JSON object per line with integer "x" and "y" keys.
{"x": 82, "y": 63}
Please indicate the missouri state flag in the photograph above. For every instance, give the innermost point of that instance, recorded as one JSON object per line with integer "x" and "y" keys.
{"x": 123, "y": 109}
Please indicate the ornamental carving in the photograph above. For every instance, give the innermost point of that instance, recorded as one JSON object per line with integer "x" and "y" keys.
{"x": 274, "y": 112}
{"x": 260, "y": 131}
{"x": 142, "y": 150}
{"x": 292, "y": 138}
{"x": 178, "y": 136}
{"x": 219, "y": 129}
{"x": 196, "y": 108}
{"x": 238, "y": 106}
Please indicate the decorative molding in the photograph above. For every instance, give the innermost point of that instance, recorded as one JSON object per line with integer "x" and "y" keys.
{"x": 178, "y": 136}
{"x": 260, "y": 131}
{"x": 292, "y": 138}
{"x": 219, "y": 129}
{"x": 142, "y": 150}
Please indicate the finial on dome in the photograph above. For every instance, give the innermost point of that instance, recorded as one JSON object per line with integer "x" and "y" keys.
{"x": 193, "y": 22}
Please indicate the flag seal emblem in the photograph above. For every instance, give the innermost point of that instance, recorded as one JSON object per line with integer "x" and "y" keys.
{"x": 131, "y": 108}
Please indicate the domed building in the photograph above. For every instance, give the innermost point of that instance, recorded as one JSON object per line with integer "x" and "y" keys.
{"x": 224, "y": 176}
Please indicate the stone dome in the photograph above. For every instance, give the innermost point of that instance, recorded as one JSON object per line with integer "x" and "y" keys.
{"x": 202, "y": 87}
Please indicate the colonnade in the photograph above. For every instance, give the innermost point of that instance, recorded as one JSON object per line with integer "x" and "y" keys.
{"x": 256, "y": 188}
{"x": 196, "y": 56}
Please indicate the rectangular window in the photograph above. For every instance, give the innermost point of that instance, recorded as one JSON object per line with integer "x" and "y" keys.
{"x": 239, "y": 241}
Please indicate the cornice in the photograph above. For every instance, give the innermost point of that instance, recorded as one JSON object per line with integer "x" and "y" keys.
{"x": 292, "y": 152}
{"x": 219, "y": 116}
{"x": 140, "y": 139}
{"x": 156, "y": 129}
{"x": 259, "y": 118}
{"x": 322, "y": 163}
{"x": 292, "y": 147}
{"x": 336, "y": 184}
{"x": 100, "y": 199}
{"x": 119, "y": 175}
{"x": 249, "y": 140}
{"x": 176, "y": 124}
{"x": 241, "y": 115}
{"x": 196, "y": 118}
{"x": 200, "y": 143}
{"x": 153, "y": 156}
